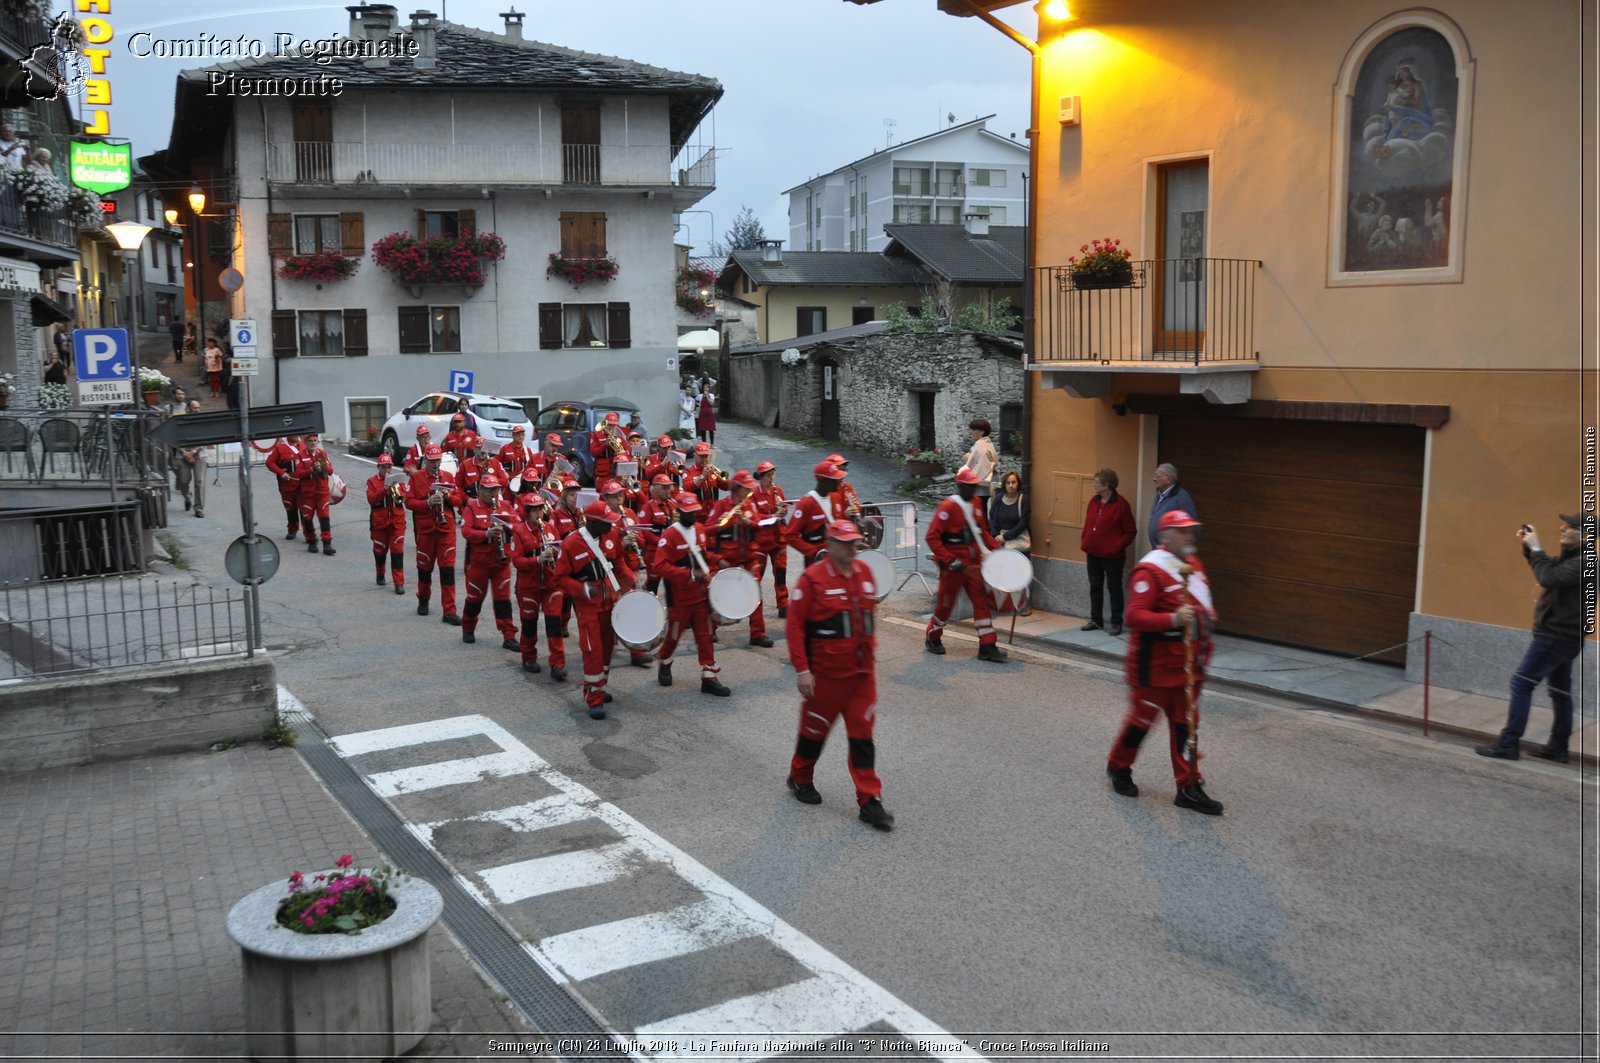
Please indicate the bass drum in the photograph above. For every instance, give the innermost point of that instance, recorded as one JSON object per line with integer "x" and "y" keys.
{"x": 1008, "y": 574}
{"x": 640, "y": 620}
{"x": 734, "y": 595}
{"x": 871, "y": 522}
{"x": 882, "y": 572}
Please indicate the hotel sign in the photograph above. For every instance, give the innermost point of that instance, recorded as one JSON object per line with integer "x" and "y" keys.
{"x": 101, "y": 168}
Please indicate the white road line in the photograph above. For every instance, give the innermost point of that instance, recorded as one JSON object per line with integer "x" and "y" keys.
{"x": 448, "y": 773}
{"x": 564, "y": 871}
{"x": 552, "y": 811}
{"x": 812, "y": 1006}
{"x": 411, "y": 734}
{"x": 597, "y": 950}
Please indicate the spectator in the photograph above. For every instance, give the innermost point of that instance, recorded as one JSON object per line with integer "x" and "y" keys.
{"x": 687, "y": 406}
{"x": 636, "y": 424}
{"x": 706, "y": 423}
{"x": 56, "y": 371}
{"x": 1108, "y": 531}
{"x": 12, "y": 151}
{"x": 1170, "y": 495}
{"x": 464, "y": 408}
{"x": 214, "y": 367}
{"x": 178, "y": 333}
{"x": 39, "y": 161}
{"x": 982, "y": 458}
{"x": 1557, "y": 640}
{"x": 1008, "y": 514}
{"x": 61, "y": 338}
{"x": 180, "y": 402}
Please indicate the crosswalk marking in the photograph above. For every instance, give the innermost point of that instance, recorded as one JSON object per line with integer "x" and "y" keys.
{"x": 811, "y": 1006}
{"x": 448, "y": 773}
{"x": 596, "y": 950}
{"x": 552, "y": 874}
{"x": 552, "y": 811}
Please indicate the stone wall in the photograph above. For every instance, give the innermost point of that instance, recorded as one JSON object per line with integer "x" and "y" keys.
{"x": 29, "y": 369}
{"x": 745, "y": 377}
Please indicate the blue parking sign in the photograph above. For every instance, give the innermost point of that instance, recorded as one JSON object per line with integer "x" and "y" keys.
{"x": 102, "y": 354}
{"x": 460, "y": 380}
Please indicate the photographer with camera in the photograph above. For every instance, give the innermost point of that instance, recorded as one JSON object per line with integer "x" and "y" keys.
{"x": 1557, "y": 639}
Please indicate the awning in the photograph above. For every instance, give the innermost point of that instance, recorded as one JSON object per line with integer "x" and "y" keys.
{"x": 47, "y": 311}
{"x": 706, "y": 339}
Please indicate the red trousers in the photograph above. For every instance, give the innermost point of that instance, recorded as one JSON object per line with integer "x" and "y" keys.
{"x": 488, "y": 577}
{"x": 685, "y": 617}
{"x": 530, "y": 604}
{"x": 289, "y": 495}
{"x": 951, "y": 584}
{"x": 778, "y": 558}
{"x": 437, "y": 547}
{"x": 388, "y": 528}
{"x": 1145, "y": 704}
{"x": 314, "y": 504}
{"x": 854, "y": 698}
{"x": 557, "y": 608}
{"x": 596, "y": 641}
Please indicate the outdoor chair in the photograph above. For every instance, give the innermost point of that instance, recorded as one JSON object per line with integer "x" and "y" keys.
{"x": 59, "y": 436}
{"x": 14, "y": 440}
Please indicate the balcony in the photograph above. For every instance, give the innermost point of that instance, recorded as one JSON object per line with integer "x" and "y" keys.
{"x": 411, "y": 164}
{"x": 1192, "y": 317}
{"x": 36, "y": 228}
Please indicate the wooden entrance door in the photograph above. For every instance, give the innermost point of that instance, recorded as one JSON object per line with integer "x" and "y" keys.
{"x": 830, "y": 399}
{"x": 580, "y": 143}
{"x": 313, "y": 143}
{"x": 1182, "y": 201}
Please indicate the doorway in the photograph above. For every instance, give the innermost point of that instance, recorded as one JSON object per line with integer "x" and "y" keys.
{"x": 313, "y": 143}
{"x": 580, "y": 143}
{"x": 1183, "y": 193}
{"x": 927, "y": 427}
{"x": 830, "y": 399}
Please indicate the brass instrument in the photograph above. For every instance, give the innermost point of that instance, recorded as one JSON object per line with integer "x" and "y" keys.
{"x": 499, "y": 533}
{"x": 436, "y": 498}
{"x": 741, "y": 512}
{"x": 852, "y": 502}
{"x": 619, "y": 446}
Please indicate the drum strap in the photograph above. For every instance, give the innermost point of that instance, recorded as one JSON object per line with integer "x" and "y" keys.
{"x": 972, "y": 523}
{"x": 605, "y": 564}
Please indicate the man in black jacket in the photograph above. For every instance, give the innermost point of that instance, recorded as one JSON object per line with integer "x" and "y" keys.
{"x": 1557, "y": 639}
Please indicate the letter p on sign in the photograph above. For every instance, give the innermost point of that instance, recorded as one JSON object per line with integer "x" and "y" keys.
{"x": 460, "y": 381}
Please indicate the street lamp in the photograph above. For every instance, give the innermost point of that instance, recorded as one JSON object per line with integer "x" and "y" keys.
{"x": 171, "y": 214}
{"x": 197, "y": 200}
{"x": 130, "y": 236}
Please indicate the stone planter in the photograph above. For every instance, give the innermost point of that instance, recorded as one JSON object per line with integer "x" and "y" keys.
{"x": 924, "y": 468}
{"x": 304, "y": 993}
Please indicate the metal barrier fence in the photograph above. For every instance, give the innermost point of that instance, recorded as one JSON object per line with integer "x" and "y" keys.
{"x": 79, "y": 445}
{"x": 59, "y": 629}
{"x": 891, "y": 527}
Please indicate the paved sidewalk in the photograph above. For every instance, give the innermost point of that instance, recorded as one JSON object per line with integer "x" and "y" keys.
{"x": 119, "y": 877}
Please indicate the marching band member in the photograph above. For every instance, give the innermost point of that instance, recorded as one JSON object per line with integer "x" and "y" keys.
{"x": 771, "y": 503}
{"x": 486, "y": 525}
{"x": 956, "y": 535}
{"x": 613, "y": 495}
{"x": 417, "y": 457}
{"x": 280, "y": 462}
{"x": 656, "y": 462}
{"x": 702, "y": 479}
{"x": 312, "y": 468}
{"x": 680, "y": 562}
{"x": 515, "y": 456}
{"x": 532, "y": 553}
{"x": 460, "y": 440}
{"x": 433, "y": 497}
{"x": 564, "y": 521}
{"x": 658, "y": 513}
{"x": 470, "y": 471}
{"x": 594, "y": 571}
{"x": 734, "y": 539}
{"x": 833, "y": 649}
{"x": 542, "y": 464}
{"x": 847, "y": 490}
{"x": 604, "y": 443}
{"x": 388, "y": 522}
{"x": 809, "y": 519}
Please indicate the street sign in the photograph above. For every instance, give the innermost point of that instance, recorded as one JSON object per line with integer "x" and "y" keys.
{"x": 237, "y": 559}
{"x": 243, "y": 330}
{"x": 100, "y": 167}
{"x": 105, "y": 392}
{"x": 460, "y": 380}
{"x": 102, "y": 354}
{"x": 230, "y": 280}
{"x": 245, "y": 366}
{"x": 226, "y": 426}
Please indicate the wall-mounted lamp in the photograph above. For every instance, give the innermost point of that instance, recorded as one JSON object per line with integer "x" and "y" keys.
{"x": 197, "y": 200}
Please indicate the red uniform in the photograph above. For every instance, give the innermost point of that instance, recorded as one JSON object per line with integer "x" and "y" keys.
{"x": 470, "y": 472}
{"x": 529, "y": 538}
{"x": 734, "y": 545}
{"x": 460, "y": 443}
{"x": 808, "y": 524}
{"x": 435, "y": 533}
{"x": 830, "y": 634}
{"x": 540, "y": 466}
{"x": 687, "y": 607}
{"x": 313, "y": 468}
{"x": 388, "y": 528}
{"x": 698, "y": 481}
{"x": 770, "y": 540}
{"x": 280, "y": 462}
{"x": 488, "y": 567}
{"x": 513, "y": 458}
{"x": 562, "y": 523}
{"x": 600, "y": 446}
{"x": 582, "y": 578}
{"x": 950, "y": 538}
{"x": 416, "y": 458}
{"x": 1155, "y": 662}
{"x": 658, "y": 461}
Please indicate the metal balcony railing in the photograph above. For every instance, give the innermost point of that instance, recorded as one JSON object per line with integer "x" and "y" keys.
{"x": 51, "y": 226}
{"x": 1179, "y": 310}
{"x": 636, "y": 165}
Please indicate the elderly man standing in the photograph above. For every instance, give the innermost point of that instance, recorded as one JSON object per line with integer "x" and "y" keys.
{"x": 1170, "y": 495}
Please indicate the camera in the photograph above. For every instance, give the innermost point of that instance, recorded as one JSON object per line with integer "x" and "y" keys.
{"x": 1527, "y": 527}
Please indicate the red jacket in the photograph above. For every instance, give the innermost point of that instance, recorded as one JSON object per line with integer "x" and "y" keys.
{"x": 1108, "y": 528}
{"x": 671, "y": 562}
{"x": 656, "y": 515}
{"x": 655, "y": 462}
{"x": 528, "y": 541}
{"x": 1155, "y": 650}
{"x": 831, "y": 621}
{"x": 950, "y": 536}
{"x": 807, "y": 530}
{"x": 600, "y": 447}
{"x": 281, "y": 459}
{"x": 415, "y": 460}
{"x": 460, "y": 443}
{"x": 513, "y": 459}
{"x": 378, "y": 495}
{"x": 418, "y": 493}
{"x": 698, "y": 481}
{"x": 580, "y": 575}
{"x": 563, "y": 522}
{"x": 738, "y": 541}
{"x": 769, "y": 536}
{"x": 305, "y": 469}
{"x": 476, "y": 520}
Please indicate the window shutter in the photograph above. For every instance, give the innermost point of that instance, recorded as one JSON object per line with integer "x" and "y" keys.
{"x": 280, "y": 235}
{"x": 285, "y": 336}
{"x": 596, "y": 237}
{"x": 355, "y": 331}
{"x": 618, "y": 327}
{"x": 352, "y": 234}
{"x": 549, "y": 326}
{"x": 570, "y": 240}
{"x": 414, "y": 330}
{"x": 466, "y": 222}
{"x": 422, "y": 224}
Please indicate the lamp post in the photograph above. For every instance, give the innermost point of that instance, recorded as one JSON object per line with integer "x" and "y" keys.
{"x": 197, "y": 204}
{"x": 130, "y": 237}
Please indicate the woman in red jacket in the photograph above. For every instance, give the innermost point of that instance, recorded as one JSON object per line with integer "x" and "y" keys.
{"x": 1108, "y": 530}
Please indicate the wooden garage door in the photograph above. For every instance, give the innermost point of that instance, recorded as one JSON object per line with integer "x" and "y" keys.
{"x": 1310, "y": 528}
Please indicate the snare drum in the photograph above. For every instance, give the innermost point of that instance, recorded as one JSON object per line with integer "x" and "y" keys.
{"x": 882, "y": 572}
{"x": 734, "y": 595}
{"x": 1007, "y": 574}
{"x": 640, "y": 620}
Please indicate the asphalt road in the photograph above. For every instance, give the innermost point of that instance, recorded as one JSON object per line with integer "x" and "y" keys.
{"x": 1362, "y": 884}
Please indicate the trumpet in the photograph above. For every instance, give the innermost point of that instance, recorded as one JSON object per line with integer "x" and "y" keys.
{"x": 436, "y": 498}
{"x": 619, "y": 446}
{"x": 741, "y": 513}
{"x": 499, "y": 534}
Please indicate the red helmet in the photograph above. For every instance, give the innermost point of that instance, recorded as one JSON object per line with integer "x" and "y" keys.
{"x": 966, "y": 476}
{"x": 702, "y": 447}
{"x": 491, "y": 479}
{"x": 434, "y": 452}
{"x": 611, "y": 487}
{"x": 742, "y": 478}
{"x": 688, "y": 503}
{"x": 664, "y": 441}
{"x": 553, "y": 437}
{"x": 598, "y": 510}
{"x": 635, "y": 434}
{"x": 827, "y": 470}
{"x": 385, "y": 459}
{"x": 765, "y": 467}
{"x": 612, "y": 418}
{"x": 844, "y": 531}
{"x": 838, "y": 459}
{"x": 1176, "y": 518}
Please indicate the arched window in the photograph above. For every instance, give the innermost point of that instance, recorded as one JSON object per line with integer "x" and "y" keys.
{"x": 1402, "y": 120}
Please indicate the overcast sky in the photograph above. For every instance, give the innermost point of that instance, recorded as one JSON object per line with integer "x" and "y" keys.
{"x": 808, "y": 83}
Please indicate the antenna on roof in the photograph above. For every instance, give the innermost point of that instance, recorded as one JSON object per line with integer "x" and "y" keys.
{"x": 888, "y": 130}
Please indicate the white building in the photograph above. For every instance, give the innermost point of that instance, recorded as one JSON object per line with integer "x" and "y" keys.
{"x": 936, "y": 179}
{"x": 559, "y": 152}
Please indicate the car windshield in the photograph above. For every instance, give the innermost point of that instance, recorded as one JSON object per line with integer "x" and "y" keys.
{"x": 622, "y": 412}
{"x": 495, "y": 411}
{"x": 558, "y": 418}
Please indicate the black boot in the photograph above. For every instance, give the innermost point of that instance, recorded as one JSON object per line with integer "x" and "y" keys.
{"x": 714, "y": 687}
{"x": 452, "y": 619}
{"x": 762, "y": 641}
{"x": 558, "y": 674}
{"x": 381, "y": 580}
{"x": 1547, "y": 752}
{"x": 468, "y": 636}
{"x": 531, "y": 667}
{"x": 664, "y": 674}
{"x": 933, "y": 646}
{"x": 328, "y": 549}
{"x": 511, "y": 644}
{"x": 608, "y": 698}
{"x": 804, "y": 792}
{"x": 311, "y": 546}
{"x": 1122, "y": 782}
{"x": 422, "y": 607}
{"x": 783, "y": 612}
{"x": 1500, "y": 752}
{"x": 988, "y": 651}
{"x": 1196, "y": 798}
{"x": 874, "y": 813}
{"x": 399, "y": 588}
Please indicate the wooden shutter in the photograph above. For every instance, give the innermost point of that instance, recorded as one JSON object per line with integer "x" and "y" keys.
{"x": 594, "y": 234}
{"x": 285, "y": 336}
{"x": 355, "y": 332}
{"x": 422, "y": 224}
{"x": 466, "y": 222}
{"x": 619, "y": 331}
{"x": 549, "y": 326}
{"x": 569, "y": 234}
{"x": 414, "y": 330}
{"x": 280, "y": 234}
{"x": 352, "y": 234}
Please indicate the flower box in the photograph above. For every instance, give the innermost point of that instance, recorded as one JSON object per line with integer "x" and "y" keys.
{"x": 1105, "y": 264}
{"x": 581, "y": 271}
{"x": 322, "y": 266}
{"x": 441, "y": 260}
{"x": 924, "y": 468}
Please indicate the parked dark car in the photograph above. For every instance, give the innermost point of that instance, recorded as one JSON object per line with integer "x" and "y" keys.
{"x": 573, "y": 421}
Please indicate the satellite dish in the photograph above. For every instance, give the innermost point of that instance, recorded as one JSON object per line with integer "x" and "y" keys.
{"x": 951, "y": 118}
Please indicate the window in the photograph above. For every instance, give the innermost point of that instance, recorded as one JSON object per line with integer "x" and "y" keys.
{"x": 441, "y": 223}
{"x": 910, "y": 212}
{"x": 155, "y": 250}
{"x": 430, "y": 329}
{"x": 584, "y": 325}
{"x": 810, "y": 320}
{"x": 852, "y": 239}
{"x": 910, "y": 181}
{"x": 583, "y": 234}
{"x": 1010, "y": 427}
{"x": 860, "y": 315}
{"x": 365, "y": 413}
{"x": 560, "y": 419}
{"x": 315, "y": 233}
{"x": 321, "y": 333}
{"x": 989, "y": 178}
{"x": 948, "y": 215}
{"x": 996, "y": 215}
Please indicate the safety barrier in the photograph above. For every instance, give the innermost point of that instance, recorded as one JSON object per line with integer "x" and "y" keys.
{"x": 891, "y": 527}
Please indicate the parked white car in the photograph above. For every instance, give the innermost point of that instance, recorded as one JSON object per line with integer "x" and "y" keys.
{"x": 495, "y": 418}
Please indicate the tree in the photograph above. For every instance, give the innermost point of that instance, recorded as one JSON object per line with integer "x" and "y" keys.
{"x": 746, "y": 233}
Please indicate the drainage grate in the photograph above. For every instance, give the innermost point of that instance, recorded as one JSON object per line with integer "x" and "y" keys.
{"x": 549, "y": 1008}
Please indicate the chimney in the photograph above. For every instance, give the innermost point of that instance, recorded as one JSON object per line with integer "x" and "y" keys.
{"x": 424, "y": 28}
{"x": 976, "y": 224}
{"x": 513, "y": 24}
{"x": 371, "y": 22}
{"x": 772, "y": 251}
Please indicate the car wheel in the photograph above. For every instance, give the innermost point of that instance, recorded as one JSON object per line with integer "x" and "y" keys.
{"x": 391, "y": 447}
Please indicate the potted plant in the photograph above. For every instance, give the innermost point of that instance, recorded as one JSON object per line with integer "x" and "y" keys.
{"x": 84, "y": 206}
{"x": 152, "y": 382}
{"x": 321, "y": 266}
{"x": 53, "y": 397}
{"x": 38, "y": 190}
{"x": 441, "y": 260}
{"x": 345, "y": 954}
{"x": 924, "y": 462}
{"x": 8, "y": 384}
{"x": 1105, "y": 264}
{"x": 368, "y": 444}
{"x": 581, "y": 271}
{"x": 695, "y": 287}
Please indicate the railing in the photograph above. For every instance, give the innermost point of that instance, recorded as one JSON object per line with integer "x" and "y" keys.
{"x": 931, "y": 190}
{"x": 317, "y": 162}
{"x": 1180, "y": 310}
{"x": 52, "y": 226}
{"x": 56, "y": 629}
{"x": 77, "y": 446}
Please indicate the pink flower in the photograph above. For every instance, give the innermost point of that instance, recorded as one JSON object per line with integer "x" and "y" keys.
{"x": 344, "y": 861}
